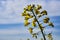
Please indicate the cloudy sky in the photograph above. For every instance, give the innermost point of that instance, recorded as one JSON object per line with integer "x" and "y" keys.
{"x": 11, "y": 21}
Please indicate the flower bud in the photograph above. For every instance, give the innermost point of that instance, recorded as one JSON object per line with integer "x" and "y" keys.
{"x": 26, "y": 23}
{"x": 39, "y": 7}
{"x": 44, "y": 12}
{"x": 51, "y": 24}
{"x": 31, "y": 30}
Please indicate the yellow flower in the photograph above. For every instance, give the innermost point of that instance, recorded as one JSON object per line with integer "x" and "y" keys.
{"x": 37, "y": 12}
{"x": 26, "y": 23}
{"x": 51, "y": 24}
{"x": 29, "y": 7}
{"x": 35, "y": 35}
{"x": 23, "y": 14}
{"x": 25, "y": 11}
{"x": 33, "y": 24}
{"x": 44, "y": 12}
{"x": 40, "y": 26}
{"x": 50, "y": 36}
{"x": 46, "y": 20}
{"x": 31, "y": 30}
{"x": 34, "y": 20}
{"x": 27, "y": 16}
{"x": 31, "y": 16}
{"x": 39, "y": 7}
{"x": 39, "y": 15}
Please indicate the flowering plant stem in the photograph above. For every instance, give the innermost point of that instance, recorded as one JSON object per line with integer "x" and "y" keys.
{"x": 39, "y": 25}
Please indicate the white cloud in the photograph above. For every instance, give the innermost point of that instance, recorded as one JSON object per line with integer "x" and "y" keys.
{"x": 12, "y": 31}
{"x": 53, "y": 8}
{"x": 11, "y": 10}
{"x": 11, "y": 13}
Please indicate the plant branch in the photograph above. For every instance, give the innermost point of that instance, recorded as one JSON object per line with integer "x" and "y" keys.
{"x": 38, "y": 24}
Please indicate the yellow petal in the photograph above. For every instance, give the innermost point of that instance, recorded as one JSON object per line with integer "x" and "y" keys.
{"x": 41, "y": 27}
{"x": 39, "y": 15}
{"x": 51, "y": 24}
{"x": 37, "y": 12}
{"x": 30, "y": 30}
{"x": 39, "y": 7}
{"x": 50, "y": 36}
{"x": 34, "y": 20}
{"x": 46, "y": 20}
{"x": 31, "y": 16}
{"x": 27, "y": 17}
{"x": 33, "y": 24}
{"x": 29, "y": 7}
{"x": 44, "y": 12}
{"x": 27, "y": 14}
{"x": 23, "y": 14}
{"x": 26, "y": 23}
{"x": 24, "y": 11}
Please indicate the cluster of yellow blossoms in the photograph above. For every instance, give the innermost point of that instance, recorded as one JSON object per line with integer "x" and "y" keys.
{"x": 50, "y": 36}
{"x": 35, "y": 10}
{"x": 46, "y": 20}
{"x": 28, "y": 16}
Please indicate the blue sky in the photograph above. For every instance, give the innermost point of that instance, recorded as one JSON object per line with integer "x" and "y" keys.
{"x": 11, "y": 21}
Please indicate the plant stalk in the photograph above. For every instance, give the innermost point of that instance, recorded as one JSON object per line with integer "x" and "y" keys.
{"x": 39, "y": 25}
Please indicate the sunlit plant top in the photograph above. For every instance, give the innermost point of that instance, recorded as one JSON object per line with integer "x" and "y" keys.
{"x": 33, "y": 12}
